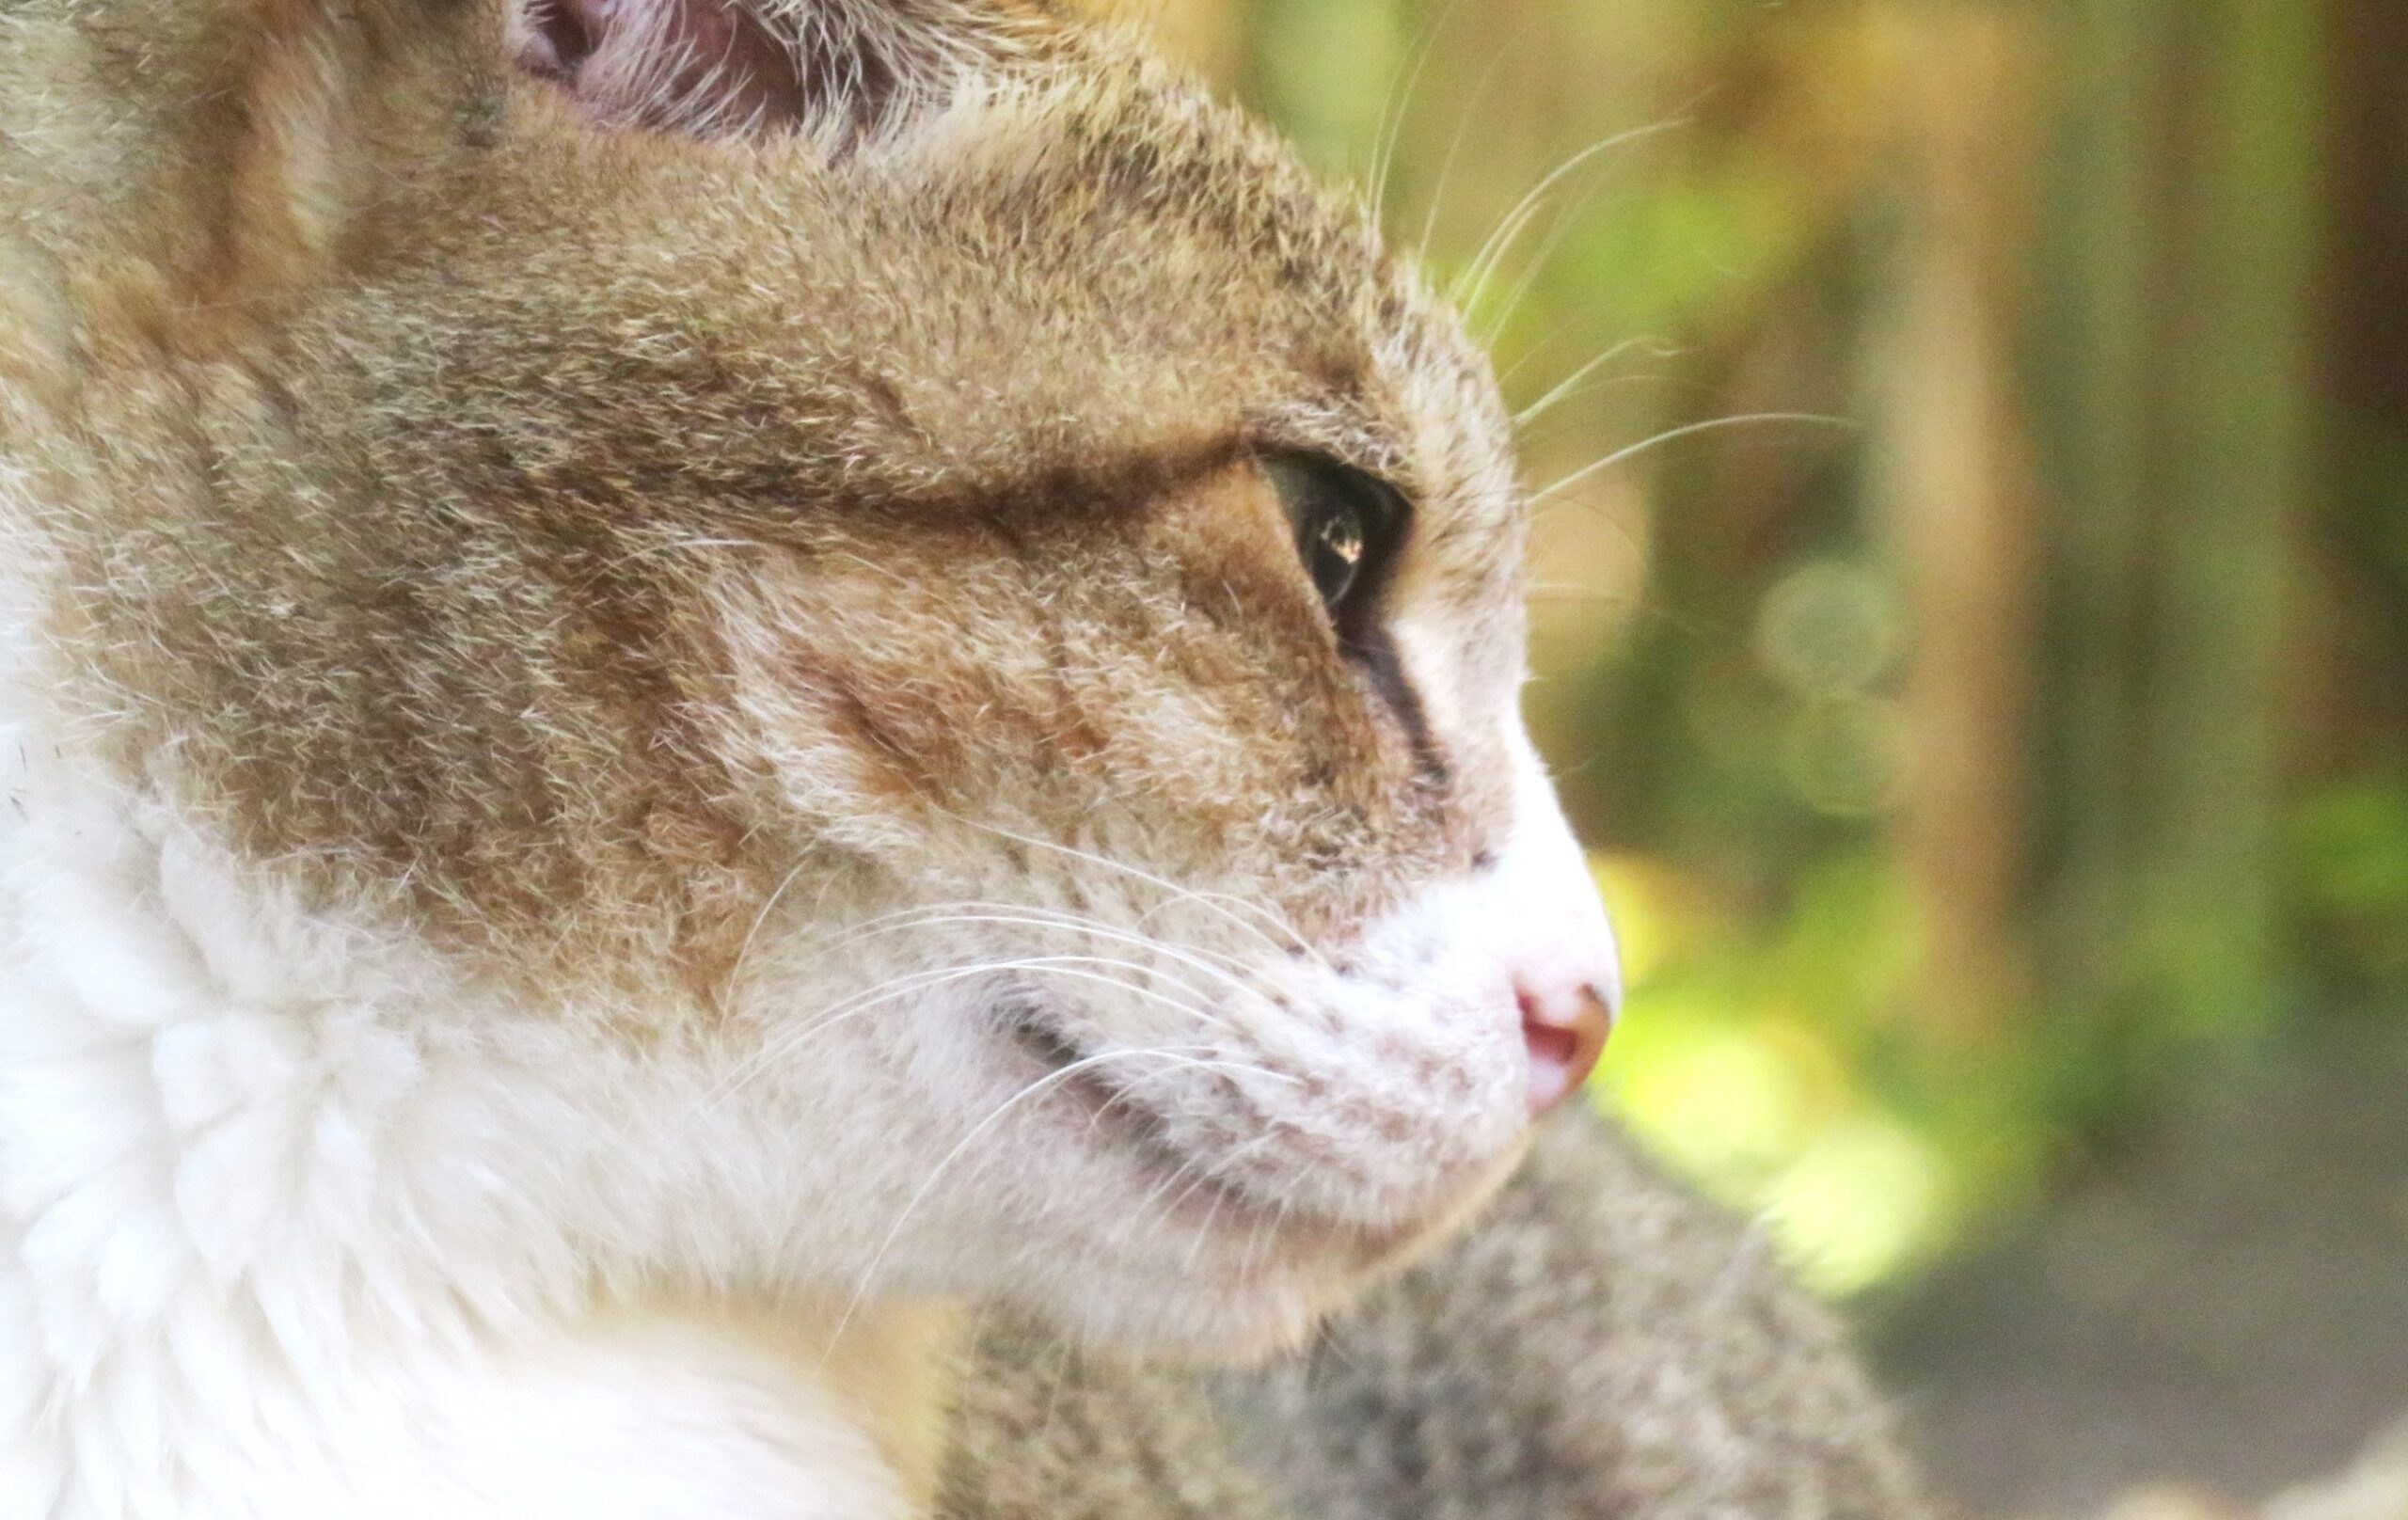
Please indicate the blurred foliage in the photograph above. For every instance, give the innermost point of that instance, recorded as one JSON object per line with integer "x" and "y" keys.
{"x": 2014, "y": 708}
{"x": 1763, "y": 1056}
{"x": 2349, "y": 880}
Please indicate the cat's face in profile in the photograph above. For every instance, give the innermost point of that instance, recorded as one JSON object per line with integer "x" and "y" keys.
{"x": 970, "y": 594}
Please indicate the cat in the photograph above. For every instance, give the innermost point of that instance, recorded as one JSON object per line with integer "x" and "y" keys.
{"x": 690, "y": 683}
{"x": 696, "y": 691}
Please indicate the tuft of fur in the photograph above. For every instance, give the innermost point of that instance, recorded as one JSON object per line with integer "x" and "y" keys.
{"x": 1604, "y": 1344}
{"x": 1601, "y": 1343}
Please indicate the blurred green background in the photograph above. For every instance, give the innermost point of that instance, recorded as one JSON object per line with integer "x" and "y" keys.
{"x": 1971, "y": 443}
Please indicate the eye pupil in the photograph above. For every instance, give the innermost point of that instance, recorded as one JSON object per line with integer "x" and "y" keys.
{"x": 1336, "y": 552}
{"x": 1346, "y": 524}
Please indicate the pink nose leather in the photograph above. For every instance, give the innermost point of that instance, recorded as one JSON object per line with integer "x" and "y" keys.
{"x": 1564, "y": 1028}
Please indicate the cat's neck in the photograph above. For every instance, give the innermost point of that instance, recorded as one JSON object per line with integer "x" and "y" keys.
{"x": 276, "y": 1233}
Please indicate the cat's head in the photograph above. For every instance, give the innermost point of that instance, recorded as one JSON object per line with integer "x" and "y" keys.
{"x": 911, "y": 535}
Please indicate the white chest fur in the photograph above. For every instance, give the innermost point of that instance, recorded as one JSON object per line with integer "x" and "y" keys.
{"x": 257, "y": 1259}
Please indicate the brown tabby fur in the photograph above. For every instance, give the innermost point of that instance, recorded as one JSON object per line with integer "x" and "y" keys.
{"x": 698, "y": 459}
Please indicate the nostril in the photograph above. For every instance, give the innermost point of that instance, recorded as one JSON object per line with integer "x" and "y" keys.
{"x": 1564, "y": 1034}
{"x": 1548, "y": 1043}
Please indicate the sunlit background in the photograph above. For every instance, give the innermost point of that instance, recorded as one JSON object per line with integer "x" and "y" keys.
{"x": 1971, "y": 447}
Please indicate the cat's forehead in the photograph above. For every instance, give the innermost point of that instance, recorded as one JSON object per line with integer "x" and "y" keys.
{"x": 1077, "y": 268}
{"x": 1186, "y": 210}
{"x": 1170, "y": 263}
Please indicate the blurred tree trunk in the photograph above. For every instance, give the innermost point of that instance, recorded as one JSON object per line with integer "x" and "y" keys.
{"x": 1962, "y": 502}
{"x": 2361, "y": 709}
{"x": 2175, "y": 365}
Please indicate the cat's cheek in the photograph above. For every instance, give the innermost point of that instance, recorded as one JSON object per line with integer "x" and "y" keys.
{"x": 1454, "y": 1010}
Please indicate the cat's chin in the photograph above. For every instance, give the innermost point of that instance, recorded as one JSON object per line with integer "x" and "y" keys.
{"x": 1218, "y": 1242}
{"x": 1239, "y": 1279}
{"x": 1263, "y": 1298}
{"x": 1205, "y": 1321}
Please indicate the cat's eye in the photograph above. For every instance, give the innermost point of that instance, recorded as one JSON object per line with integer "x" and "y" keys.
{"x": 1346, "y": 525}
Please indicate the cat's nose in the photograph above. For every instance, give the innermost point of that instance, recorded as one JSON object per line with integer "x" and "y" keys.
{"x": 1565, "y": 1020}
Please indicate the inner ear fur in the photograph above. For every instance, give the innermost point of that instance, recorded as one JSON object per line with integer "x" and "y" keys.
{"x": 758, "y": 68}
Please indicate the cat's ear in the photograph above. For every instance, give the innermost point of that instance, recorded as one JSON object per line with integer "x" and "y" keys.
{"x": 752, "y": 68}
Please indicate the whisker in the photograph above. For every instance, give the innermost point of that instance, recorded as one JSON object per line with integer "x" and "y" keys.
{"x": 898, "y": 920}
{"x": 1264, "y": 1225}
{"x": 1203, "y": 899}
{"x": 859, "y": 1003}
{"x": 1398, "y": 109}
{"x": 1574, "y": 593}
{"x": 744, "y": 950}
{"x": 1128, "y": 1092}
{"x": 1569, "y": 384}
{"x": 1196, "y": 1172}
{"x": 1217, "y": 1172}
{"x": 1326, "y": 1342}
{"x": 1471, "y": 286}
{"x": 976, "y": 1132}
{"x": 1518, "y": 221}
{"x": 1712, "y": 425}
{"x": 1101, "y": 931}
{"x": 1566, "y": 222}
{"x": 1188, "y": 1061}
{"x": 1074, "y": 968}
{"x": 1212, "y": 1216}
{"x": 1068, "y": 966}
{"x": 1013, "y": 916}
{"x": 1463, "y": 132}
